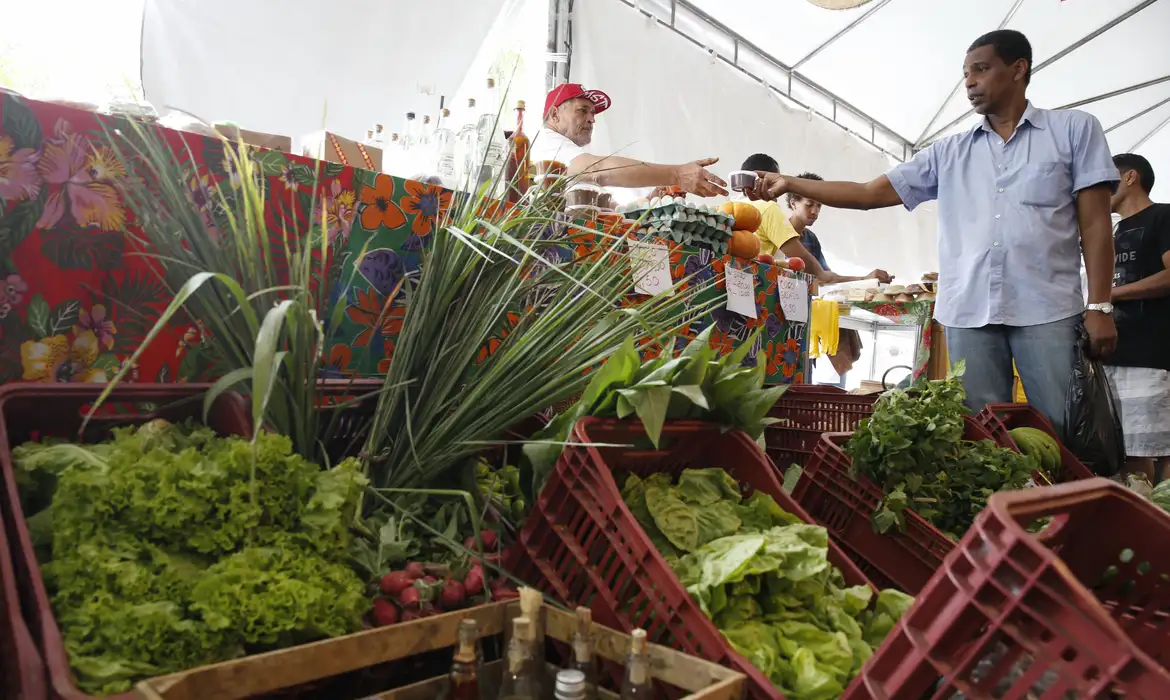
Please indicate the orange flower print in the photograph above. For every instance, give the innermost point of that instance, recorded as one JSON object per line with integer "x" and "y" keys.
{"x": 789, "y": 357}
{"x": 488, "y": 350}
{"x": 772, "y": 274}
{"x": 428, "y": 203}
{"x": 378, "y": 207}
{"x": 371, "y": 313}
{"x": 384, "y": 363}
{"x": 340, "y": 355}
{"x": 722, "y": 342}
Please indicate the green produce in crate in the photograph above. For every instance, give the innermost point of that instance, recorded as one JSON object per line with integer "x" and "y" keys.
{"x": 764, "y": 578}
{"x": 1161, "y": 495}
{"x": 1040, "y": 446}
{"x": 912, "y": 447}
{"x": 165, "y": 555}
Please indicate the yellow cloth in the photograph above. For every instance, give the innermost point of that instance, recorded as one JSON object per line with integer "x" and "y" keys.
{"x": 823, "y": 329}
{"x": 1017, "y": 386}
{"x": 775, "y": 229}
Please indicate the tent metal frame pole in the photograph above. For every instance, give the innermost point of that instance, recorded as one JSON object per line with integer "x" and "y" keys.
{"x": 1139, "y": 115}
{"x": 959, "y": 83}
{"x": 1115, "y": 93}
{"x": 1149, "y": 136}
{"x": 1052, "y": 59}
{"x": 668, "y": 16}
{"x": 844, "y": 30}
{"x": 560, "y": 42}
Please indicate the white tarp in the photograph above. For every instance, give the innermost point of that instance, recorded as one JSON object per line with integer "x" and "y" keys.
{"x": 902, "y": 62}
{"x": 673, "y": 103}
{"x": 279, "y": 65}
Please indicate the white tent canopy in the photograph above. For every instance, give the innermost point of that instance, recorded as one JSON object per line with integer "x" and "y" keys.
{"x": 899, "y": 60}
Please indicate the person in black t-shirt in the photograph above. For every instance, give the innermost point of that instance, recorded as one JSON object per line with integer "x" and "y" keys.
{"x": 1140, "y": 368}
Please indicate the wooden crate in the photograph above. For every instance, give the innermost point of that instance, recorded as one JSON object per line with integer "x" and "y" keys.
{"x": 288, "y": 668}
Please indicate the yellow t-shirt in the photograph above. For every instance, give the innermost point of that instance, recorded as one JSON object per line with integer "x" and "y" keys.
{"x": 775, "y": 229}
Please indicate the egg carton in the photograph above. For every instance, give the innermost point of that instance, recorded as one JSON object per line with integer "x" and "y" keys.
{"x": 679, "y": 213}
{"x": 707, "y": 238}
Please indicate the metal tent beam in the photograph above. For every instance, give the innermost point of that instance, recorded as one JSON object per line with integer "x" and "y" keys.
{"x": 1149, "y": 136}
{"x": 959, "y": 83}
{"x": 666, "y": 13}
{"x": 844, "y": 30}
{"x": 1053, "y": 59}
{"x": 1139, "y": 115}
{"x": 1115, "y": 93}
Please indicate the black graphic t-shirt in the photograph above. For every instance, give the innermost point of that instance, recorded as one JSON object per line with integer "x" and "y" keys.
{"x": 1143, "y": 325}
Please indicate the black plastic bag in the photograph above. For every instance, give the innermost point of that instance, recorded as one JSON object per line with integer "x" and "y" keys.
{"x": 1092, "y": 416}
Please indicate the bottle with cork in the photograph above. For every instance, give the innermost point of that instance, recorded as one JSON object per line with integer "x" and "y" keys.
{"x": 464, "y": 676}
{"x": 532, "y": 607}
{"x": 582, "y": 658}
{"x": 520, "y": 681}
{"x": 637, "y": 684}
{"x": 517, "y": 171}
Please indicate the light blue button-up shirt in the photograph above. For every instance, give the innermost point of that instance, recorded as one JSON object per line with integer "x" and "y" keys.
{"x": 1008, "y": 239}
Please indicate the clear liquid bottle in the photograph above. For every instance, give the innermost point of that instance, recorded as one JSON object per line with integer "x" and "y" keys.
{"x": 519, "y": 681}
{"x": 445, "y": 148}
{"x": 379, "y": 136}
{"x": 582, "y": 659}
{"x": 464, "y": 675}
{"x": 369, "y": 141}
{"x": 532, "y": 607}
{"x": 637, "y": 683}
{"x": 491, "y": 146}
{"x": 467, "y": 166}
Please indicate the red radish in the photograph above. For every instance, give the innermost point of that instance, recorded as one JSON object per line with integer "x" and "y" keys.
{"x": 429, "y": 579}
{"x": 409, "y": 615}
{"x": 452, "y": 595}
{"x": 410, "y": 598}
{"x": 385, "y": 612}
{"x": 490, "y": 540}
{"x": 473, "y": 581}
{"x": 415, "y": 570}
{"x": 395, "y": 582}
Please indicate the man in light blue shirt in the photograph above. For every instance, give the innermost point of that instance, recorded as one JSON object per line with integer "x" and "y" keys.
{"x": 1020, "y": 196}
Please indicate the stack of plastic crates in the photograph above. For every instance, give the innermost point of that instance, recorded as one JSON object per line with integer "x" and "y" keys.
{"x": 1001, "y": 418}
{"x": 1081, "y": 610}
{"x": 805, "y": 412}
{"x": 584, "y": 547}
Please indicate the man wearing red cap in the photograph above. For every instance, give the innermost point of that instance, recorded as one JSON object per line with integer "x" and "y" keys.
{"x": 569, "y": 113}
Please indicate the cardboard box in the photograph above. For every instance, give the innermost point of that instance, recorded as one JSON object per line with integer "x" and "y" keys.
{"x": 258, "y": 139}
{"x": 333, "y": 148}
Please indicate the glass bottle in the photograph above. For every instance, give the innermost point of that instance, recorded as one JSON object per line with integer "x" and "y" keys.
{"x": 406, "y": 137}
{"x": 582, "y": 658}
{"x": 467, "y": 166}
{"x": 369, "y": 138}
{"x": 491, "y": 147}
{"x": 519, "y": 681}
{"x": 464, "y": 676}
{"x": 445, "y": 148}
{"x": 532, "y": 607}
{"x": 516, "y": 172}
{"x": 637, "y": 683}
{"x": 570, "y": 685}
{"x": 379, "y": 136}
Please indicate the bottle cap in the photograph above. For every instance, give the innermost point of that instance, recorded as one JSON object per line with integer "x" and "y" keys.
{"x": 410, "y": 115}
{"x": 520, "y": 104}
{"x": 445, "y": 112}
{"x": 570, "y": 685}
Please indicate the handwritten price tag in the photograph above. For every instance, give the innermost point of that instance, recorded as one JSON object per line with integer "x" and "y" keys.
{"x": 651, "y": 268}
{"x": 741, "y": 292}
{"x": 793, "y": 294}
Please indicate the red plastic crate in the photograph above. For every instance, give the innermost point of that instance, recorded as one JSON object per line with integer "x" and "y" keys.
{"x": 999, "y": 418}
{"x": 806, "y": 413}
{"x": 845, "y": 506}
{"x": 586, "y": 548}
{"x": 1077, "y": 612}
{"x": 34, "y": 411}
{"x": 22, "y": 673}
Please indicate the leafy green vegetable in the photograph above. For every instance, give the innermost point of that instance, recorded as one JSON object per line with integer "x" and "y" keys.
{"x": 695, "y": 385}
{"x": 166, "y": 555}
{"x": 767, "y": 582}
{"x": 912, "y": 447}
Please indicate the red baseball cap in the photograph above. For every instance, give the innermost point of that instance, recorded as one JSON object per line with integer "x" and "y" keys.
{"x": 563, "y": 93}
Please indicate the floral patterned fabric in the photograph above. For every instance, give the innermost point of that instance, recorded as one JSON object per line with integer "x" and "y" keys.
{"x": 76, "y": 300}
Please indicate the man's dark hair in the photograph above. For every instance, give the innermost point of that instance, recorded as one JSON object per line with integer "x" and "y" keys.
{"x": 794, "y": 198}
{"x": 1009, "y": 45}
{"x": 1132, "y": 161}
{"x": 761, "y": 162}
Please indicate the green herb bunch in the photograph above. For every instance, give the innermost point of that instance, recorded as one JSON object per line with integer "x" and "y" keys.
{"x": 913, "y": 448}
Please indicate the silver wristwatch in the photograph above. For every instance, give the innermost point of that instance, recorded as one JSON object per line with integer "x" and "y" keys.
{"x": 1105, "y": 308}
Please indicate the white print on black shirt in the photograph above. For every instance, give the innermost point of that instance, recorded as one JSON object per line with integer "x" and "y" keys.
{"x": 1126, "y": 257}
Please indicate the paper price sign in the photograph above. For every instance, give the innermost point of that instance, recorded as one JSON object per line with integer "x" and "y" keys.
{"x": 651, "y": 268}
{"x": 741, "y": 292}
{"x": 793, "y": 295}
